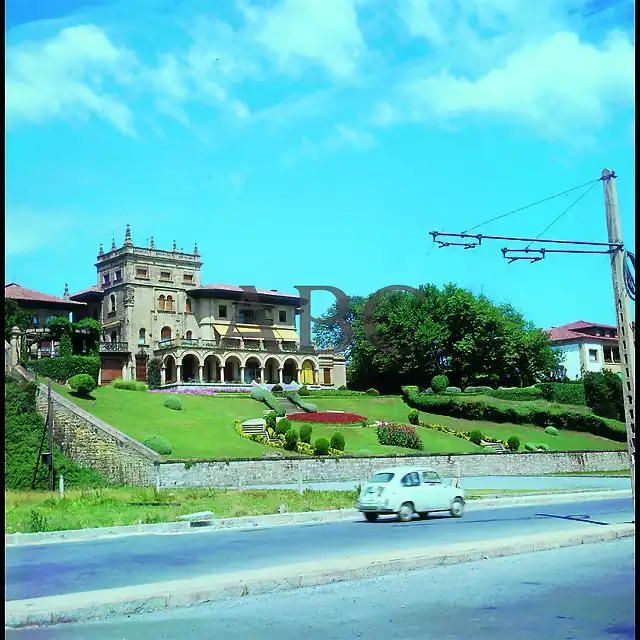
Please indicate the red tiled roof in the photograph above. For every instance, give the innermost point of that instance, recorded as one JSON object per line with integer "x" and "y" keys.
{"x": 237, "y": 289}
{"x": 16, "y": 292}
{"x": 581, "y": 324}
{"x": 94, "y": 289}
{"x": 559, "y": 334}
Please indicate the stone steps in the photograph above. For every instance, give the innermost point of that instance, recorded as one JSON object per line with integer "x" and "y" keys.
{"x": 496, "y": 446}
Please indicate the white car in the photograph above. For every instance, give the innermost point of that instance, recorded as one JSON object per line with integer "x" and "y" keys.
{"x": 406, "y": 491}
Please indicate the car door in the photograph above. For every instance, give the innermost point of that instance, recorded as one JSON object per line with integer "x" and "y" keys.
{"x": 436, "y": 495}
{"x": 411, "y": 490}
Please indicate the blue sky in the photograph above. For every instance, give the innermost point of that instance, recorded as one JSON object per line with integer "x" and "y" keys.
{"x": 318, "y": 142}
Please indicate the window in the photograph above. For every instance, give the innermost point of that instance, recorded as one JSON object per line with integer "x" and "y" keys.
{"x": 611, "y": 354}
{"x": 142, "y": 272}
{"x": 112, "y": 304}
{"x": 593, "y": 355}
{"x": 165, "y": 275}
{"x": 283, "y": 316}
{"x": 187, "y": 305}
{"x": 327, "y": 376}
{"x": 142, "y": 336}
{"x": 169, "y": 305}
{"x": 222, "y": 311}
{"x": 36, "y": 322}
{"x": 411, "y": 480}
{"x": 114, "y": 336}
{"x": 187, "y": 278}
{"x": 188, "y": 337}
{"x": 105, "y": 279}
{"x": 382, "y": 477}
{"x": 161, "y": 304}
{"x": 430, "y": 477}
{"x": 118, "y": 276}
{"x": 247, "y": 316}
{"x": 165, "y": 334}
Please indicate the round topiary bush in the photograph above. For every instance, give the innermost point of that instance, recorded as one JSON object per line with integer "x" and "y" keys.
{"x": 414, "y": 416}
{"x": 476, "y": 436}
{"x": 337, "y": 441}
{"x": 158, "y": 444}
{"x": 373, "y": 392}
{"x": 173, "y": 403}
{"x": 270, "y": 420}
{"x": 453, "y": 390}
{"x": 82, "y": 383}
{"x": 552, "y": 431}
{"x": 275, "y": 388}
{"x": 305, "y": 433}
{"x": 321, "y": 446}
{"x": 303, "y": 391}
{"x": 342, "y": 387}
{"x": 439, "y": 383}
{"x": 282, "y": 426}
{"x": 291, "y": 440}
{"x": 513, "y": 443}
{"x": 542, "y": 446}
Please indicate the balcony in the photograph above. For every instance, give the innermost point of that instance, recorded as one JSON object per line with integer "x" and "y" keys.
{"x": 107, "y": 347}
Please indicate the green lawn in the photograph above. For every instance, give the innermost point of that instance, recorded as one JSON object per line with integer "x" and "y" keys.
{"x": 538, "y": 402}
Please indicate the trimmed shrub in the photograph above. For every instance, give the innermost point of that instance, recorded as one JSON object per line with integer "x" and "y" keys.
{"x": 603, "y": 394}
{"x": 563, "y": 392}
{"x": 61, "y": 368}
{"x": 398, "y": 435}
{"x": 303, "y": 391}
{"x": 530, "y": 446}
{"x": 552, "y": 431}
{"x": 342, "y": 387}
{"x": 158, "y": 444}
{"x": 333, "y": 393}
{"x": 128, "y": 385}
{"x": 453, "y": 390}
{"x": 321, "y": 446}
{"x": 480, "y": 389}
{"x": 429, "y": 391}
{"x": 276, "y": 387}
{"x": 65, "y": 345}
{"x": 439, "y": 383}
{"x": 282, "y": 426}
{"x": 82, "y": 383}
{"x": 373, "y": 392}
{"x": 542, "y": 446}
{"x": 337, "y": 441}
{"x": 154, "y": 375}
{"x": 291, "y": 440}
{"x": 173, "y": 403}
{"x": 262, "y": 395}
{"x": 270, "y": 421}
{"x": 414, "y": 416}
{"x": 476, "y": 436}
{"x": 305, "y": 433}
{"x": 299, "y": 402}
{"x": 513, "y": 443}
{"x": 517, "y": 395}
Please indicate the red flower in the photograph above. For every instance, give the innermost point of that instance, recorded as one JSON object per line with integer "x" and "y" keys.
{"x": 327, "y": 417}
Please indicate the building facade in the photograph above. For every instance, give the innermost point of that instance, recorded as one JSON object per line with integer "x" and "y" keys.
{"x": 588, "y": 347}
{"x": 152, "y": 303}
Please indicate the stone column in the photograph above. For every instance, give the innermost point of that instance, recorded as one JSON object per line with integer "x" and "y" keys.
{"x": 124, "y": 371}
{"x": 163, "y": 375}
{"x": 200, "y": 372}
{"x": 178, "y": 372}
{"x": 15, "y": 346}
{"x": 280, "y": 381}
{"x": 315, "y": 376}
{"x": 241, "y": 374}
{"x": 261, "y": 373}
{"x": 298, "y": 370}
{"x": 221, "y": 373}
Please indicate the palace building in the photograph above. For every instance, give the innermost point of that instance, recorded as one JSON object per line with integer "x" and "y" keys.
{"x": 152, "y": 303}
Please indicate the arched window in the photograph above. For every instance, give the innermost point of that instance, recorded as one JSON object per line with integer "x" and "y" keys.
{"x": 141, "y": 336}
{"x": 165, "y": 334}
{"x": 161, "y": 305}
{"x": 188, "y": 337}
{"x": 112, "y": 304}
{"x": 36, "y": 322}
{"x": 187, "y": 305}
{"x": 169, "y": 303}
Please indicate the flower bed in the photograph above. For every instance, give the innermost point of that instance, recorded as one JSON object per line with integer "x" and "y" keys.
{"x": 327, "y": 417}
{"x": 203, "y": 391}
{"x": 398, "y": 435}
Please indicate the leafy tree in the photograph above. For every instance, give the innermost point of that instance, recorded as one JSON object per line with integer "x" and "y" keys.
{"x": 15, "y": 316}
{"x": 603, "y": 393}
{"x": 86, "y": 334}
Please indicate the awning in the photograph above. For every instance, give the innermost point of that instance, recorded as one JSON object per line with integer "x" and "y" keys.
{"x": 227, "y": 330}
{"x": 249, "y": 330}
{"x": 287, "y": 334}
{"x": 111, "y": 324}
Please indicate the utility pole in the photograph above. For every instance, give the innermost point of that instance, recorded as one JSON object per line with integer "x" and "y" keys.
{"x": 626, "y": 337}
{"x": 50, "y": 433}
{"x": 618, "y": 256}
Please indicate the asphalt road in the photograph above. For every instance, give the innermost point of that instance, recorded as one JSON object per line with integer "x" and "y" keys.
{"x": 72, "y": 567}
{"x": 577, "y": 593}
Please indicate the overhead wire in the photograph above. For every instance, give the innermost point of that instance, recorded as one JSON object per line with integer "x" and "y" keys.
{"x": 557, "y": 195}
{"x": 629, "y": 279}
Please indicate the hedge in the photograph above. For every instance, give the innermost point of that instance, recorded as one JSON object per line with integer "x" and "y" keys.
{"x": 563, "y": 392}
{"x": 61, "y": 368}
{"x": 299, "y": 402}
{"x": 262, "y": 395}
{"x": 342, "y": 393}
{"x": 517, "y": 395}
{"x": 459, "y": 408}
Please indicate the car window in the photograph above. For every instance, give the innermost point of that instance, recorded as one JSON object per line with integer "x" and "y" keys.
{"x": 430, "y": 477}
{"x": 411, "y": 480}
{"x": 382, "y": 477}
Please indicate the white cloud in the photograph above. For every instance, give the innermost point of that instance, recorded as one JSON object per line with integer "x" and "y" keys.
{"x": 324, "y": 32}
{"x": 342, "y": 138}
{"x": 561, "y": 86}
{"x": 64, "y": 77}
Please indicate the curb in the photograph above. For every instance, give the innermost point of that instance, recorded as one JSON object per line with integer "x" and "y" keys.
{"x": 110, "y": 603}
{"x": 250, "y": 522}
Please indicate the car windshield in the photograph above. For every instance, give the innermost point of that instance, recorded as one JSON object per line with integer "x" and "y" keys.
{"x": 381, "y": 477}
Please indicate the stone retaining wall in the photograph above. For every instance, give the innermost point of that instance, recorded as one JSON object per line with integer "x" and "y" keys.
{"x": 93, "y": 443}
{"x": 232, "y": 473}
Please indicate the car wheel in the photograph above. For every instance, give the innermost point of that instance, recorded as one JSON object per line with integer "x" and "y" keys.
{"x": 371, "y": 517}
{"x": 424, "y": 515}
{"x": 406, "y": 512}
{"x": 457, "y": 508}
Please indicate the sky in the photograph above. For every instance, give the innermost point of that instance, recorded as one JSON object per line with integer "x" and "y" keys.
{"x": 318, "y": 142}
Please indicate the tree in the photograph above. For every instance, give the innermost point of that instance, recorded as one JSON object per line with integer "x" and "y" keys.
{"x": 448, "y": 331}
{"x": 15, "y": 316}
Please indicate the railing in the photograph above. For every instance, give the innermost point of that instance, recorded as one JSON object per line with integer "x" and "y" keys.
{"x": 114, "y": 346}
{"x": 252, "y": 346}
{"x": 166, "y": 344}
